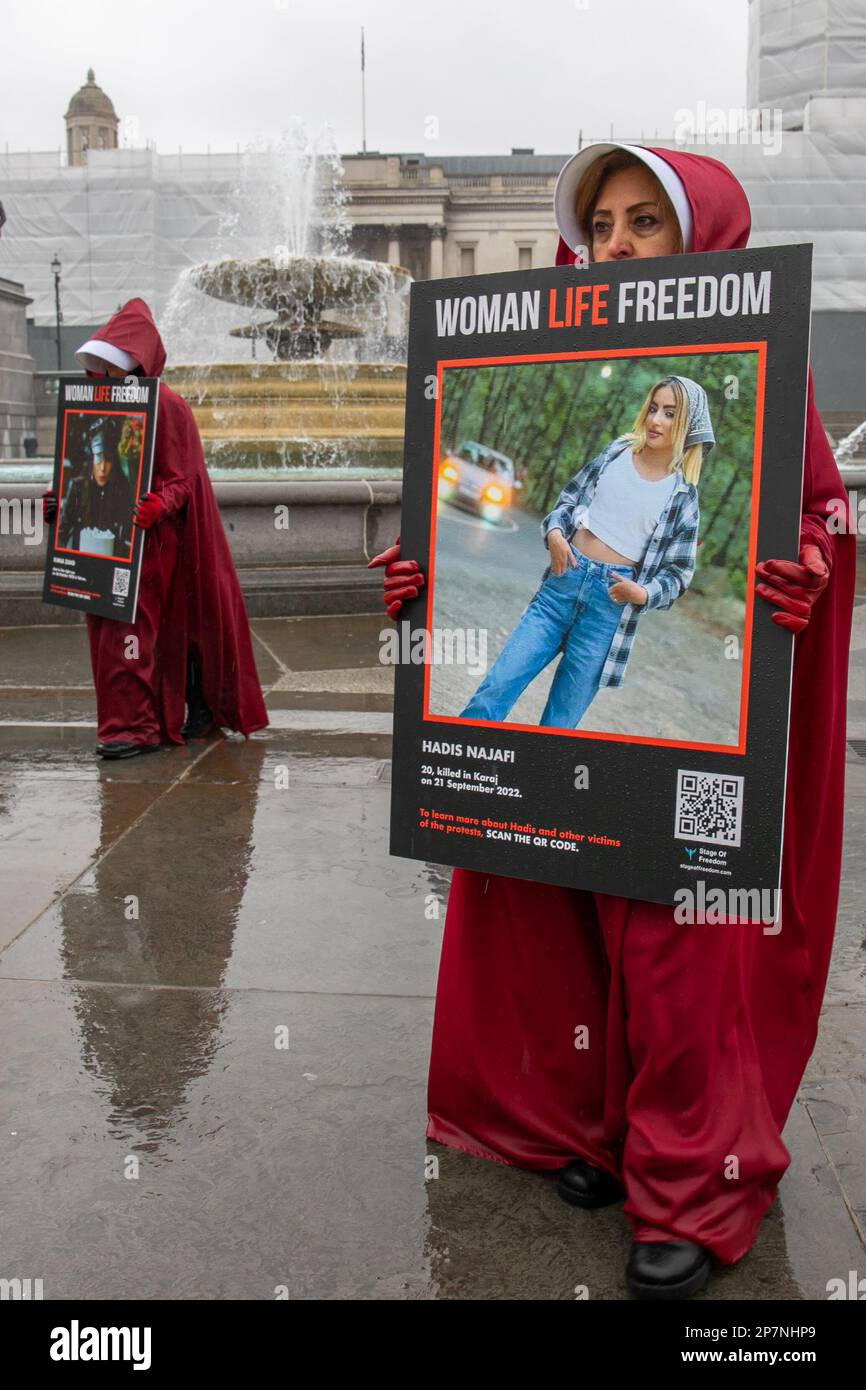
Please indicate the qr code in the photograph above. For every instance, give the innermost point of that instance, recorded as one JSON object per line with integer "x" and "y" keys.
{"x": 120, "y": 583}
{"x": 709, "y": 807}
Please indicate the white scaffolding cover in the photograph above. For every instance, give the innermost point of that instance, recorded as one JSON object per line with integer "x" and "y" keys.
{"x": 132, "y": 220}
{"x": 804, "y": 48}
{"x": 125, "y": 224}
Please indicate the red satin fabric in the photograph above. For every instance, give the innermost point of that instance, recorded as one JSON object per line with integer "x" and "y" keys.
{"x": 189, "y": 593}
{"x": 133, "y": 705}
{"x": 698, "y": 1036}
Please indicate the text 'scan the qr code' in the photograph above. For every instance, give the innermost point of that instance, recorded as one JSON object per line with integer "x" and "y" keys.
{"x": 120, "y": 582}
{"x": 709, "y": 807}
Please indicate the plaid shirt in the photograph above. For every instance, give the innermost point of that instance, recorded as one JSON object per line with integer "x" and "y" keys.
{"x": 668, "y": 562}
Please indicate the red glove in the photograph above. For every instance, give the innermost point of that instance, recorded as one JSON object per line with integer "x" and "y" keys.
{"x": 49, "y": 507}
{"x": 793, "y": 587}
{"x": 149, "y": 511}
{"x": 403, "y": 578}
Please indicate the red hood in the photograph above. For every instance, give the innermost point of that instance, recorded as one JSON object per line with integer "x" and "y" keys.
{"x": 721, "y": 219}
{"x": 132, "y": 328}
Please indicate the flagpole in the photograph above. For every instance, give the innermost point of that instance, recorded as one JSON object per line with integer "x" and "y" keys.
{"x": 363, "y": 99}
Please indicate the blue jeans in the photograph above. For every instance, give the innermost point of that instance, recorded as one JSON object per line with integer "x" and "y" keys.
{"x": 572, "y": 613}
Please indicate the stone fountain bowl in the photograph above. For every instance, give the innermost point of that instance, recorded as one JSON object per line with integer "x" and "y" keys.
{"x": 300, "y": 287}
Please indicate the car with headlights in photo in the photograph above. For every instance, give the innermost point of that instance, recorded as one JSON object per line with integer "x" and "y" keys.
{"x": 478, "y": 479}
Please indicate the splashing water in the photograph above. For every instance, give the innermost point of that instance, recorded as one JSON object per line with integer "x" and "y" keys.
{"x": 281, "y": 252}
{"x": 289, "y": 350}
{"x": 290, "y": 197}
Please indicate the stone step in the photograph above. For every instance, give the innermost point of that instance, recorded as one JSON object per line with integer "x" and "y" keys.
{"x": 294, "y": 379}
{"x": 293, "y": 591}
{"x": 315, "y": 418}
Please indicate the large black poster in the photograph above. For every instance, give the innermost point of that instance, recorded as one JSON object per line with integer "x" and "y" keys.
{"x": 102, "y": 466}
{"x": 619, "y": 725}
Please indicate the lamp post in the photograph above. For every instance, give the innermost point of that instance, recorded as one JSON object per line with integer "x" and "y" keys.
{"x": 55, "y": 266}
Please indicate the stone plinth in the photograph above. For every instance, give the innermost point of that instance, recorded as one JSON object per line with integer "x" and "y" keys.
{"x": 17, "y": 409}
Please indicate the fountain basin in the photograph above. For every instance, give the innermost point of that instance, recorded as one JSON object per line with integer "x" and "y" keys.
{"x": 315, "y": 564}
{"x": 297, "y": 418}
{"x": 301, "y": 286}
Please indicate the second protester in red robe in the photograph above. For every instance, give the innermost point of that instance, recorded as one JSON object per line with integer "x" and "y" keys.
{"x": 193, "y": 647}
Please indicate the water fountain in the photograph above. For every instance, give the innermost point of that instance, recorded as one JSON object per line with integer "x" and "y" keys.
{"x": 313, "y": 386}
{"x": 300, "y": 409}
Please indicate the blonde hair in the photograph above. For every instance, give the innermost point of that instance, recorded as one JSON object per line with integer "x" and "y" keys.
{"x": 688, "y": 459}
{"x": 591, "y": 184}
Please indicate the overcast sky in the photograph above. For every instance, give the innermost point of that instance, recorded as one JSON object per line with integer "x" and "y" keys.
{"x": 218, "y": 73}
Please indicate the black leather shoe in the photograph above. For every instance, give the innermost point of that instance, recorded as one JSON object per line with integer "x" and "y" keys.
{"x": 125, "y": 750}
{"x": 666, "y": 1269}
{"x": 584, "y": 1185}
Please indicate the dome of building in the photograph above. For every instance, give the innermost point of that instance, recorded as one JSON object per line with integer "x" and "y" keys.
{"x": 91, "y": 122}
{"x": 91, "y": 101}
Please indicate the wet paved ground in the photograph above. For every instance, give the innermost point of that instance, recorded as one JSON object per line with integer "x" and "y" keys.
{"x": 170, "y": 923}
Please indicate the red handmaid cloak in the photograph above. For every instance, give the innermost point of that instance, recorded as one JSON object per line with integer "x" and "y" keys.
{"x": 189, "y": 594}
{"x": 577, "y": 1024}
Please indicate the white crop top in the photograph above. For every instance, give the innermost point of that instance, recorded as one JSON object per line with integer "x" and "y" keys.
{"x": 626, "y": 507}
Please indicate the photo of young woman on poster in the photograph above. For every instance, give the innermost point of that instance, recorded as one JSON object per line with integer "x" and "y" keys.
{"x": 622, "y": 539}
{"x": 96, "y": 513}
{"x": 639, "y": 476}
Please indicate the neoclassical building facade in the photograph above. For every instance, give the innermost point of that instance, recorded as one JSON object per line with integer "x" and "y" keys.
{"x": 453, "y": 215}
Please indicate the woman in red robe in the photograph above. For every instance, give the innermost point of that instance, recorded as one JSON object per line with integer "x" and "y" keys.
{"x": 699, "y": 1035}
{"x": 193, "y": 646}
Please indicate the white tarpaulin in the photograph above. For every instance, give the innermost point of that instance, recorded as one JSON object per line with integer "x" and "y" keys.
{"x": 125, "y": 224}
{"x": 804, "y": 48}
{"x": 131, "y": 221}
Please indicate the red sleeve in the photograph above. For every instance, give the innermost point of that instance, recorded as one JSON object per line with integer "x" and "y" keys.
{"x": 177, "y": 453}
{"x": 823, "y": 490}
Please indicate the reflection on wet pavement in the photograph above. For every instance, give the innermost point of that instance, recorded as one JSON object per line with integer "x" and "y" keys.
{"x": 216, "y": 997}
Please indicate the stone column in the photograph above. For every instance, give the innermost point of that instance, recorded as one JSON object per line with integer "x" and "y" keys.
{"x": 437, "y": 236}
{"x": 393, "y": 318}
{"x": 393, "y": 245}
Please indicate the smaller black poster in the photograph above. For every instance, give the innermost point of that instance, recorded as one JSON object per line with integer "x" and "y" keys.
{"x": 102, "y": 466}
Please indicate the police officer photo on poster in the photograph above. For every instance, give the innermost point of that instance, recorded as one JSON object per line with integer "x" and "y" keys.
{"x": 596, "y": 459}
{"x": 102, "y": 466}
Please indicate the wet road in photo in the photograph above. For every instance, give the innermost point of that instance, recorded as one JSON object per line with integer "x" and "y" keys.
{"x": 679, "y": 683}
